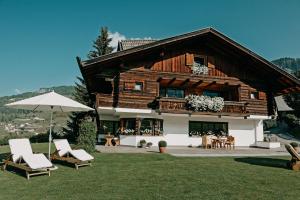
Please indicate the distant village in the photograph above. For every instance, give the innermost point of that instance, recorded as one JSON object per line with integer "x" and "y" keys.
{"x": 20, "y": 126}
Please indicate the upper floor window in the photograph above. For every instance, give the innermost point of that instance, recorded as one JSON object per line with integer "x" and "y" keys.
{"x": 133, "y": 86}
{"x": 253, "y": 95}
{"x": 138, "y": 86}
{"x": 211, "y": 93}
{"x": 171, "y": 92}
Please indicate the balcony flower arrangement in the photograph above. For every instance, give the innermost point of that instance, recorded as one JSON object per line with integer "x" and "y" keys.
{"x": 204, "y": 103}
{"x": 199, "y": 69}
{"x": 129, "y": 131}
{"x": 146, "y": 131}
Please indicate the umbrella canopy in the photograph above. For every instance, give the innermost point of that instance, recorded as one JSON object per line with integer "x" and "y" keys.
{"x": 51, "y": 102}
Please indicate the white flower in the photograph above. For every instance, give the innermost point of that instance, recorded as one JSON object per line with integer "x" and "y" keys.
{"x": 205, "y": 103}
{"x": 199, "y": 69}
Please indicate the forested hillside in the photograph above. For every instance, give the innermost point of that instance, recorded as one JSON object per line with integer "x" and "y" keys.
{"x": 291, "y": 65}
{"x": 8, "y": 114}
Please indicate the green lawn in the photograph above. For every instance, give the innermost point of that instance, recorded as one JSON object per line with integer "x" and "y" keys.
{"x": 156, "y": 176}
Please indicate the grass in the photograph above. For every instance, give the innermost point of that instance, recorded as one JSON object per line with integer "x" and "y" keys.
{"x": 156, "y": 176}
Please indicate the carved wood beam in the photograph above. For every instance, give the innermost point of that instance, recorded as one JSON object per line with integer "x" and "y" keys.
{"x": 210, "y": 84}
{"x": 171, "y": 81}
{"x": 197, "y": 83}
{"x": 159, "y": 79}
{"x": 185, "y": 83}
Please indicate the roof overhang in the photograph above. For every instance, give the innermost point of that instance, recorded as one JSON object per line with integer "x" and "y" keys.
{"x": 285, "y": 82}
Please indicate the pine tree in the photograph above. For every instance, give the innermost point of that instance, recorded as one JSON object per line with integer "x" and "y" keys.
{"x": 101, "y": 47}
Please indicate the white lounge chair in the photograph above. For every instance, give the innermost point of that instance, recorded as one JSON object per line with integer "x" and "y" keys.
{"x": 23, "y": 158}
{"x": 65, "y": 153}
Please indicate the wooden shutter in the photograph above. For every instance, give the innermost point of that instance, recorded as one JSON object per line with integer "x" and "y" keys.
{"x": 129, "y": 85}
{"x": 189, "y": 59}
{"x": 262, "y": 95}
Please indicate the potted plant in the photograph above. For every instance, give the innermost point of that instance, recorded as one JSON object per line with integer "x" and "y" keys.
{"x": 162, "y": 146}
{"x": 295, "y": 145}
{"x": 143, "y": 143}
{"x": 149, "y": 144}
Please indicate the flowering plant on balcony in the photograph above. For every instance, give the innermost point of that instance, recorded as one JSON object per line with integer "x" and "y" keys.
{"x": 204, "y": 103}
{"x": 199, "y": 69}
{"x": 129, "y": 131}
{"x": 146, "y": 131}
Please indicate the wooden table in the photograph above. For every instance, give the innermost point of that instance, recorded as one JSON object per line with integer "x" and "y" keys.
{"x": 108, "y": 140}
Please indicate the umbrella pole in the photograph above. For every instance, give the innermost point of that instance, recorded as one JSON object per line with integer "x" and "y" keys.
{"x": 50, "y": 133}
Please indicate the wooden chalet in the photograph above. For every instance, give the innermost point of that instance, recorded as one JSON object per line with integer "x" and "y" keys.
{"x": 140, "y": 90}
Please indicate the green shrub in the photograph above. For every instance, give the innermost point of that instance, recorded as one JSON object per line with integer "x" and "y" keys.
{"x": 269, "y": 123}
{"x": 292, "y": 121}
{"x": 162, "y": 143}
{"x": 294, "y": 144}
{"x": 87, "y": 136}
{"x": 295, "y": 132}
{"x": 4, "y": 140}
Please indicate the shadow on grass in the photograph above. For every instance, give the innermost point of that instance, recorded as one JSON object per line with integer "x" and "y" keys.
{"x": 268, "y": 162}
{"x": 14, "y": 170}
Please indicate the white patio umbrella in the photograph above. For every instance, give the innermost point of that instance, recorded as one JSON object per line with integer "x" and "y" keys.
{"x": 52, "y": 102}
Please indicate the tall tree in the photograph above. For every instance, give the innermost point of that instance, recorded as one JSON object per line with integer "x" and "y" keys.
{"x": 81, "y": 94}
{"x": 101, "y": 44}
{"x": 75, "y": 118}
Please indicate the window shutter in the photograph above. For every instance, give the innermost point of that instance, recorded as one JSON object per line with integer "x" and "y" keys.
{"x": 262, "y": 95}
{"x": 129, "y": 85}
{"x": 189, "y": 59}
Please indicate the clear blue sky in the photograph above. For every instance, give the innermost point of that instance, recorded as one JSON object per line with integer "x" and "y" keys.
{"x": 39, "y": 40}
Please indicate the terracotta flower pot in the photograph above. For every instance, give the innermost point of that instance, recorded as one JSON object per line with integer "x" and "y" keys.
{"x": 162, "y": 149}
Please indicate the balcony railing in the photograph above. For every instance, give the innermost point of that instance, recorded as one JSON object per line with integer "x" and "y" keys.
{"x": 179, "y": 106}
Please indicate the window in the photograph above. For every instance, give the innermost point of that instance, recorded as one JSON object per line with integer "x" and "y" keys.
{"x": 199, "y": 128}
{"x": 130, "y": 123}
{"x": 171, "y": 92}
{"x": 138, "y": 86}
{"x": 109, "y": 127}
{"x": 133, "y": 86}
{"x": 253, "y": 95}
{"x": 211, "y": 93}
{"x": 199, "y": 60}
{"x": 150, "y": 126}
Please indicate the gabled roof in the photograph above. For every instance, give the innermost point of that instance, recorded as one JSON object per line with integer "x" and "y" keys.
{"x": 292, "y": 83}
{"x": 127, "y": 44}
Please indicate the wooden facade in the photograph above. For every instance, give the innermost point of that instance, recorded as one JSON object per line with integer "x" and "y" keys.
{"x": 133, "y": 78}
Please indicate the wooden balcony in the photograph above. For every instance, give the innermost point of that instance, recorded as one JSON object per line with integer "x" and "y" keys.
{"x": 173, "y": 105}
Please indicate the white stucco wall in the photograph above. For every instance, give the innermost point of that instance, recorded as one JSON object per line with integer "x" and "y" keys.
{"x": 246, "y": 131}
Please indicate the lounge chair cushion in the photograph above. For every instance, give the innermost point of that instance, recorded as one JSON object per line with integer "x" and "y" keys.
{"x": 63, "y": 148}
{"x": 81, "y": 154}
{"x": 37, "y": 161}
{"x": 19, "y": 148}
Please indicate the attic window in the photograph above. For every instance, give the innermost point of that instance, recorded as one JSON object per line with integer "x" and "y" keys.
{"x": 199, "y": 60}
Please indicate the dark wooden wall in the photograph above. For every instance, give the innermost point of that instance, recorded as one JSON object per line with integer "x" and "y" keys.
{"x": 177, "y": 64}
